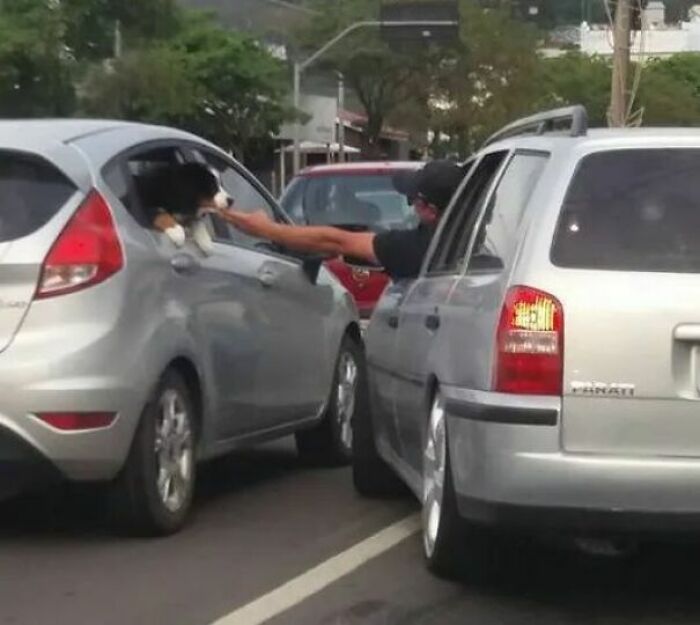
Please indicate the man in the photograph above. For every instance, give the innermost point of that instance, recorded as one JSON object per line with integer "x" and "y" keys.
{"x": 400, "y": 252}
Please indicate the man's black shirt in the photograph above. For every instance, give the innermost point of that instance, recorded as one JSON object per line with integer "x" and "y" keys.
{"x": 401, "y": 252}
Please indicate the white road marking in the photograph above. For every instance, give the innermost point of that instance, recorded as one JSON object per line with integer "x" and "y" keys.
{"x": 316, "y": 579}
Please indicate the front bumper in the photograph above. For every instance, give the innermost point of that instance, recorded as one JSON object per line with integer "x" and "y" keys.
{"x": 509, "y": 469}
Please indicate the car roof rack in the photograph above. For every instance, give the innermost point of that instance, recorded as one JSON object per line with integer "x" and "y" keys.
{"x": 572, "y": 118}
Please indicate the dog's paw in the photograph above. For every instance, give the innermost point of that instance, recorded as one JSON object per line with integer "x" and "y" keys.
{"x": 201, "y": 237}
{"x": 177, "y": 235}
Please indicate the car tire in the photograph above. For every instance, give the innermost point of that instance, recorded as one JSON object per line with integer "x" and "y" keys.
{"x": 452, "y": 546}
{"x": 153, "y": 494}
{"x": 331, "y": 442}
{"x": 371, "y": 475}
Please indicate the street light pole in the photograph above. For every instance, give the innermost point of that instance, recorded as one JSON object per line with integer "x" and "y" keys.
{"x": 301, "y": 66}
{"x": 297, "y": 125}
{"x": 341, "y": 122}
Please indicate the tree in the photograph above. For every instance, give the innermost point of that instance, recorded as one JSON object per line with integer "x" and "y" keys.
{"x": 216, "y": 83}
{"x": 36, "y": 67}
{"x": 576, "y": 79}
{"x": 243, "y": 88}
{"x": 384, "y": 80}
{"x": 669, "y": 91}
{"x": 152, "y": 85}
{"x": 486, "y": 81}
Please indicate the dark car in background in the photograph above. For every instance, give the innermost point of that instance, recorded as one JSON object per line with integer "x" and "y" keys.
{"x": 356, "y": 196}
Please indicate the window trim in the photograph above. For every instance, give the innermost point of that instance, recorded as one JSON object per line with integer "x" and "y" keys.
{"x": 482, "y": 216}
{"x": 121, "y": 159}
{"x": 277, "y": 211}
{"x": 459, "y": 270}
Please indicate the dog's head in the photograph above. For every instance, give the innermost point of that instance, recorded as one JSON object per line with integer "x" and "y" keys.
{"x": 202, "y": 187}
{"x": 185, "y": 190}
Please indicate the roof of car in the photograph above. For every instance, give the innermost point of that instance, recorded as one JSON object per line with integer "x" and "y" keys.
{"x": 63, "y": 130}
{"x": 368, "y": 167}
{"x": 606, "y": 137}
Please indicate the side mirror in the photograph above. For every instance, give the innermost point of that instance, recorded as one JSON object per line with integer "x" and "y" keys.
{"x": 311, "y": 266}
{"x": 486, "y": 263}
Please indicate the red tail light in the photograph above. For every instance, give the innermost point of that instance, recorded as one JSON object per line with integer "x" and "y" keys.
{"x": 87, "y": 252}
{"x": 77, "y": 421}
{"x": 530, "y": 344}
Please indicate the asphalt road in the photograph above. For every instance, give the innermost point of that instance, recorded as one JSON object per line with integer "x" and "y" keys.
{"x": 262, "y": 520}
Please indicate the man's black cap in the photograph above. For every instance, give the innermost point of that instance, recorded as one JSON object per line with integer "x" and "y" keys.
{"x": 405, "y": 182}
{"x": 436, "y": 183}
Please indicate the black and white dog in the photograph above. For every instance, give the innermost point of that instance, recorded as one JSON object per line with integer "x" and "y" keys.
{"x": 178, "y": 196}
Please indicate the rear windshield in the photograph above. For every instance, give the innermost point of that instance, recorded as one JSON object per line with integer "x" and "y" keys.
{"x": 368, "y": 200}
{"x": 633, "y": 210}
{"x": 31, "y": 192}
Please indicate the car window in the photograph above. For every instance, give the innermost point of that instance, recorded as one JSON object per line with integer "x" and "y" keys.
{"x": 139, "y": 165}
{"x": 292, "y": 200}
{"x": 632, "y": 210}
{"x": 496, "y": 241}
{"x": 32, "y": 191}
{"x": 450, "y": 252}
{"x": 245, "y": 196}
{"x": 351, "y": 199}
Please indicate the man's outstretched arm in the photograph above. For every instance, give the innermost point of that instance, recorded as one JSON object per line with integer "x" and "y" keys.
{"x": 318, "y": 239}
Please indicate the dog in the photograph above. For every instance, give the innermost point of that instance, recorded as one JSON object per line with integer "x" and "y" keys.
{"x": 177, "y": 196}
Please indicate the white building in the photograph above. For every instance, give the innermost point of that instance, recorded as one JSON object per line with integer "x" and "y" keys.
{"x": 656, "y": 39}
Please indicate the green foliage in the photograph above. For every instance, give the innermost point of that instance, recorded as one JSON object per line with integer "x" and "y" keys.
{"x": 389, "y": 83}
{"x": 178, "y": 67}
{"x": 35, "y": 65}
{"x": 576, "y": 79}
{"x": 242, "y": 87}
{"x": 152, "y": 85}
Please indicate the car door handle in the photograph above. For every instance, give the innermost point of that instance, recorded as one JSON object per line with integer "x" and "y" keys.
{"x": 687, "y": 332}
{"x": 267, "y": 277}
{"x": 393, "y": 322}
{"x": 432, "y": 322}
{"x": 184, "y": 263}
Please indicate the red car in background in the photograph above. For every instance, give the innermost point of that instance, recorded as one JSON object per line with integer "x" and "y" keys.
{"x": 355, "y": 196}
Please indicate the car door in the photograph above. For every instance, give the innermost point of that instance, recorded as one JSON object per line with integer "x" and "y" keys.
{"x": 380, "y": 341}
{"x": 474, "y": 306}
{"x": 292, "y": 370}
{"x": 420, "y": 313}
{"x": 201, "y": 294}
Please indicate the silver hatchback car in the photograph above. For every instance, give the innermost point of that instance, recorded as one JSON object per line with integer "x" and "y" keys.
{"x": 543, "y": 370}
{"x": 126, "y": 360}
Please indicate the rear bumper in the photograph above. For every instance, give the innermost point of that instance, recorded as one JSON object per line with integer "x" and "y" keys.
{"x": 509, "y": 468}
{"x": 22, "y": 466}
{"x": 75, "y": 373}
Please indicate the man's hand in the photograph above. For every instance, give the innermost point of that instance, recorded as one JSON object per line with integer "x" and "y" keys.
{"x": 256, "y": 224}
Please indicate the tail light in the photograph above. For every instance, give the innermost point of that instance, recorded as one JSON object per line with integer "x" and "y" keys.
{"x": 77, "y": 421}
{"x": 87, "y": 252}
{"x": 530, "y": 344}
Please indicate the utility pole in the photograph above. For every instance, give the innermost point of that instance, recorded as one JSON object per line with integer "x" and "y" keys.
{"x": 341, "y": 122}
{"x": 619, "y": 102}
{"x": 118, "y": 42}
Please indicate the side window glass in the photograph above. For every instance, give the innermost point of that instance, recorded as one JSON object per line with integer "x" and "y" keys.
{"x": 139, "y": 166}
{"x": 245, "y": 196}
{"x": 451, "y": 250}
{"x": 496, "y": 241}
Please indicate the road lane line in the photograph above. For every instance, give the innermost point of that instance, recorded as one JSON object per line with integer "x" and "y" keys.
{"x": 316, "y": 579}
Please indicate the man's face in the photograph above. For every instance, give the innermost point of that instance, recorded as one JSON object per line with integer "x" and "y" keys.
{"x": 427, "y": 213}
